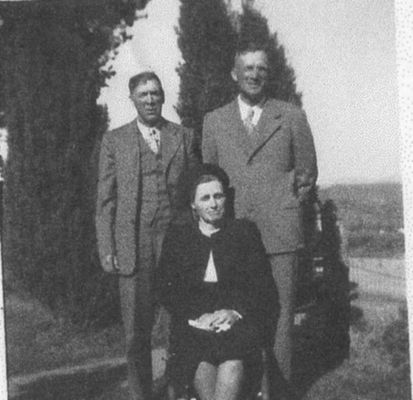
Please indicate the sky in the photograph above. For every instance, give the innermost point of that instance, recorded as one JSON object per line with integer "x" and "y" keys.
{"x": 343, "y": 55}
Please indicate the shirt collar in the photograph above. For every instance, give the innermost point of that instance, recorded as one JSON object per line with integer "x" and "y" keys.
{"x": 244, "y": 107}
{"x": 144, "y": 129}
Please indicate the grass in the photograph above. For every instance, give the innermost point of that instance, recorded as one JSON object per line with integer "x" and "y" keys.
{"x": 37, "y": 341}
{"x": 368, "y": 374}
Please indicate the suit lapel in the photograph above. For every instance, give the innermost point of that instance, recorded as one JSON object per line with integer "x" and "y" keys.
{"x": 268, "y": 124}
{"x": 170, "y": 142}
{"x": 132, "y": 147}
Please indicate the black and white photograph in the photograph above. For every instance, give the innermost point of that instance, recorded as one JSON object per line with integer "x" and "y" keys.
{"x": 204, "y": 200}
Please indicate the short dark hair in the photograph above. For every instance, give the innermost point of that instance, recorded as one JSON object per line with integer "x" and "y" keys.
{"x": 206, "y": 178}
{"x": 144, "y": 77}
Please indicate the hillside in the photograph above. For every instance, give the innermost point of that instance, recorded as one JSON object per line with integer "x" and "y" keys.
{"x": 372, "y": 215}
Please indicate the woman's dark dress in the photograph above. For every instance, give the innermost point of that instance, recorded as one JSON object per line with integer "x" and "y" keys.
{"x": 245, "y": 284}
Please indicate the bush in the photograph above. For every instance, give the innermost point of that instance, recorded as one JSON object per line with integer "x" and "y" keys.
{"x": 396, "y": 341}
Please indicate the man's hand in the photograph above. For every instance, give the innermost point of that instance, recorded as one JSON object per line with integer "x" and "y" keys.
{"x": 303, "y": 193}
{"x": 110, "y": 264}
{"x": 303, "y": 184}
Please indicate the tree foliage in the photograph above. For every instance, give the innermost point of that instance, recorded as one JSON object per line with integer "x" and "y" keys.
{"x": 53, "y": 54}
{"x": 207, "y": 41}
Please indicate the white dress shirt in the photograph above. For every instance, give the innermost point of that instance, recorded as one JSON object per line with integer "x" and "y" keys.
{"x": 245, "y": 110}
{"x": 210, "y": 272}
{"x": 151, "y": 135}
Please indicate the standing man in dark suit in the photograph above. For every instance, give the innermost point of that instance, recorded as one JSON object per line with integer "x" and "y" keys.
{"x": 266, "y": 147}
{"x": 139, "y": 167}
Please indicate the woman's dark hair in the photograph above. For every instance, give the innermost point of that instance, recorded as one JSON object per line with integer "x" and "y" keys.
{"x": 191, "y": 179}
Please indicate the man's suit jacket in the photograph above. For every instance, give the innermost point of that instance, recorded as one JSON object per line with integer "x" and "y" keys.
{"x": 267, "y": 169}
{"x": 119, "y": 185}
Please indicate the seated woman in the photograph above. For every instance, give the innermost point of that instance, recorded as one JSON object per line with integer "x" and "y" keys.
{"x": 216, "y": 282}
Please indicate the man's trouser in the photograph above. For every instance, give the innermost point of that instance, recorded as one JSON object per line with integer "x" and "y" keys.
{"x": 137, "y": 306}
{"x": 284, "y": 271}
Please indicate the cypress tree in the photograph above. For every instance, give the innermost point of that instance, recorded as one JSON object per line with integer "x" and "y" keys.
{"x": 53, "y": 55}
{"x": 207, "y": 41}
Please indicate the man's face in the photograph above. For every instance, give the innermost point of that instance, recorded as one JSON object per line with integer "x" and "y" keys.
{"x": 251, "y": 74}
{"x": 147, "y": 98}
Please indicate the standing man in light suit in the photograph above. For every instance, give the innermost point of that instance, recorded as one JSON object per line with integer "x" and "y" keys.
{"x": 266, "y": 147}
{"x": 139, "y": 167}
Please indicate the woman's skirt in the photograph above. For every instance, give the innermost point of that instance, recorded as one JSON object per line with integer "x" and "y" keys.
{"x": 189, "y": 346}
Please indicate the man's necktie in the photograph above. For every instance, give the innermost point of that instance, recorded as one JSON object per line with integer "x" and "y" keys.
{"x": 154, "y": 140}
{"x": 249, "y": 126}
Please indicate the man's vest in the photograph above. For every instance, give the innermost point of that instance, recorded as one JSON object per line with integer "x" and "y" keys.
{"x": 155, "y": 210}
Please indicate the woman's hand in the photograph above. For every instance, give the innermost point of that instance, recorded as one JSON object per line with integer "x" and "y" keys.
{"x": 224, "y": 320}
{"x": 218, "y": 321}
{"x": 203, "y": 322}
{"x": 206, "y": 320}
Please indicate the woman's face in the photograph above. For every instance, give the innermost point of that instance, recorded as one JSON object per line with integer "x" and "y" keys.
{"x": 209, "y": 202}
